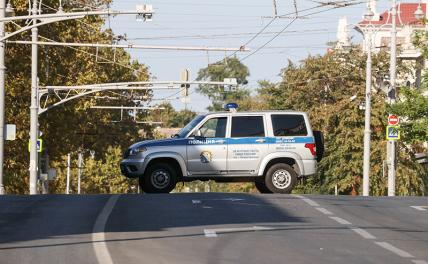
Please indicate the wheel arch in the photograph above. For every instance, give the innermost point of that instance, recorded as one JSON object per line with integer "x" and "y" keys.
{"x": 174, "y": 159}
{"x": 289, "y": 158}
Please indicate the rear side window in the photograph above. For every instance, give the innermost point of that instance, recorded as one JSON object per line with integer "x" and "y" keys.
{"x": 289, "y": 125}
{"x": 248, "y": 126}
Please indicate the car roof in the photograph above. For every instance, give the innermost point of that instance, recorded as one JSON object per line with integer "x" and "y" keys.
{"x": 258, "y": 112}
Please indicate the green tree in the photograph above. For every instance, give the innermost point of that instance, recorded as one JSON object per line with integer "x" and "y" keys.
{"x": 74, "y": 124}
{"x": 227, "y": 68}
{"x": 323, "y": 86}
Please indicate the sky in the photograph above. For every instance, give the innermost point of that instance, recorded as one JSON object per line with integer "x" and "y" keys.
{"x": 227, "y": 23}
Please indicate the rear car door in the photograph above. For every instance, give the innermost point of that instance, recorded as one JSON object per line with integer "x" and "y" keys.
{"x": 247, "y": 144}
{"x": 292, "y": 134}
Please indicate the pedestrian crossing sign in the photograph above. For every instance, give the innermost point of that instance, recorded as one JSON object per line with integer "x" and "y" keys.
{"x": 39, "y": 145}
{"x": 392, "y": 132}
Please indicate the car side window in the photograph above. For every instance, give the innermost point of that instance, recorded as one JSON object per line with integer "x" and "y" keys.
{"x": 213, "y": 128}
{"x": 289, "y": 125}
{"x": 247, "y": 126}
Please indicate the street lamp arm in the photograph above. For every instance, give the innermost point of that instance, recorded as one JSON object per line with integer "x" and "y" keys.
{"x": 75, "y": 15}
{"x": 31, "y": 26}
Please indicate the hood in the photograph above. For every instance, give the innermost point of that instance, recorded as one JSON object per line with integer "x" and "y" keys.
{"x": 160, "y": 142}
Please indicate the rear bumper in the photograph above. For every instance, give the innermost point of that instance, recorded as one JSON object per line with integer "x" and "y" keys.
{"x": 309, "y": 167}
{"x": 132, "y": 168}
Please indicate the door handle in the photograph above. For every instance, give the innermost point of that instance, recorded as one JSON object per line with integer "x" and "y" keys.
{"x": 261, "y": 140}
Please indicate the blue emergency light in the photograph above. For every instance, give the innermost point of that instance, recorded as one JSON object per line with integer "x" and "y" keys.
{"x": 232, "y": 107}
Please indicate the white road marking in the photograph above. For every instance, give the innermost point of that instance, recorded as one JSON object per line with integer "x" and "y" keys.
{"x": 417, "y": 261}
{"x": 210, "y": 233}
{"x": 399, "y": 252}
{"x": 98, "y": 235}
{"x": 307, "y": 200}
{"x": 223, "y": 199}
{"x": 340, "y": 220}
{"x": 324, "y": 211}
{"x": 363, "y": 233}
{"x": 214, "y": 232}
{"x": 420, "y": 208}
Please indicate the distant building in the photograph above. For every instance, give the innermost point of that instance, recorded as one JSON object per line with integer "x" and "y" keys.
{"x": 380, "y": 27}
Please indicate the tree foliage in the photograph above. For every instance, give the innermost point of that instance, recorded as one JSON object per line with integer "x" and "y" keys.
{"x": 73, "y": 125}
{"x": 323, "y": 87}
{"x": 217, "y": 72}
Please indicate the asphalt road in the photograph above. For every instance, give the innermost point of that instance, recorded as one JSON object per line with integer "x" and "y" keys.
{"x": 212, "y": 228}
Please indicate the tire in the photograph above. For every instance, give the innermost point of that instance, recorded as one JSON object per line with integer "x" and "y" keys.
{"x": 261, "y": 187}
{"x": 159, "y": 178}
{"x": 141, "y": 183}
{"x": 280, "y": 178}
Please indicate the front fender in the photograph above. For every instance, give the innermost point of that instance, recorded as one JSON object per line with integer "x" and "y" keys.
{"x": 276, "y": 155}
{"x": 166, "y": 154}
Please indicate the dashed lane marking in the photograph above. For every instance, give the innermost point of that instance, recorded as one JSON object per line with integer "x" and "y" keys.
{"x": 416, "y": 261}
{"x": 340, "y": 220}
{"x": 98, "y": 236}
{"x": 366, "y": 235}
{"x": 308, "y": 201}
{"x": 420, "y": 208}
{"x": 324, "y": 211}
{"x": 196, "y": 201}
{"x": 363, "y": 233}
{"x": 395, "y": 250}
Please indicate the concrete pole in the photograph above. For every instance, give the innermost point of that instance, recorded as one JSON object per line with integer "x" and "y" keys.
{"x": 34, "y": 105}
{"x": 67, "y": 189}
{"x": 2, "y": 93}
{"x": 79, "y": 172}
{"x": 391, "y": 97}
{"x": 367, "y": 130}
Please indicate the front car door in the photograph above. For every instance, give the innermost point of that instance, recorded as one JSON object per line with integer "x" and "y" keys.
{"x": 207, "y": 148}
{"x": 247, "y": 145}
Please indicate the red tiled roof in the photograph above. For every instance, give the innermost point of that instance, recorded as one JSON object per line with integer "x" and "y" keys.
{"x": 405, "y": 15}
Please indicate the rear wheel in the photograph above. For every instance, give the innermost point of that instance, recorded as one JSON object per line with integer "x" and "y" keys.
{"x": 261, "y": 187}
{"x": 280, "y": 178}
{"x": 159, "y": 178}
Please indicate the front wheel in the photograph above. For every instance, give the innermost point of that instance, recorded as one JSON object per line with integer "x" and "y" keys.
{"x": 159, "y": 178}
{"x": 280, "y": 178}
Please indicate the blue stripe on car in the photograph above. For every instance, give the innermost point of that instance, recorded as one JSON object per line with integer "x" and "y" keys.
{"x": 231, "y": 141}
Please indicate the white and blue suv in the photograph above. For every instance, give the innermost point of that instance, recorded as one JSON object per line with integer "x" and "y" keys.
{"x": 272, "y": 149}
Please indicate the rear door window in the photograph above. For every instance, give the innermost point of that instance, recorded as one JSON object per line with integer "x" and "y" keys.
{"x": 289, "y": 125}
{"x": 247, "y": 126}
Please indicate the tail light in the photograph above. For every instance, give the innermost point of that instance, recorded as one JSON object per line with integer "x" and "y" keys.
{"x": 311, "y": 147}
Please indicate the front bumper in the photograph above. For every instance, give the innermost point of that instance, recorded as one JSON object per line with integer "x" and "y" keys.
{"x": 132, "y": 168}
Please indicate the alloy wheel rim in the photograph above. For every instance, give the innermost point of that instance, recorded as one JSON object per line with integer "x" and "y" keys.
{"x": 160, "y": 178}
{"x": 281, "y": 179}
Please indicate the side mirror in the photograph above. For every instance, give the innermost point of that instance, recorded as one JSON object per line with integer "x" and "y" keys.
{"x": 198, "y": 133}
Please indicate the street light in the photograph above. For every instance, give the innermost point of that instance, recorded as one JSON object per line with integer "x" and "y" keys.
{"x": 368, "y": 16}
{"x": 367, "y": 112}
{"x": 10, "y": 11}
{"x": 419, "y": 14}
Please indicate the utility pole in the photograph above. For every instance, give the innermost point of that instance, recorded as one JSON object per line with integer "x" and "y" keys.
{"x": 34, "y": 104}
{"x": 367, "y": 131}
{"x": 67, "y": 189}
{"x": 79, "y": 170}
{"x": 2, "y": 92}
{"x": 391, "y": 100}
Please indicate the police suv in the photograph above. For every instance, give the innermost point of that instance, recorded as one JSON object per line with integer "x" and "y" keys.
{"x": 272, "y": 149}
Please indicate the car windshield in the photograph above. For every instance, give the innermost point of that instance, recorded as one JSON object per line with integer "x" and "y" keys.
{"x": 185, "y": 130}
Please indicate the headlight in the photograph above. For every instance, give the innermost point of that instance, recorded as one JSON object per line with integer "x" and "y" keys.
{"x": 136, "y": 151}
